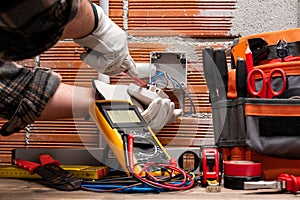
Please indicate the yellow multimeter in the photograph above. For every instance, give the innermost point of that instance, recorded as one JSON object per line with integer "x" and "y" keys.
{"x": 114, "y": 117}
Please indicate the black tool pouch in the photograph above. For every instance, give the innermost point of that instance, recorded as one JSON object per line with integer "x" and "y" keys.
{"x": 229, "y": 122}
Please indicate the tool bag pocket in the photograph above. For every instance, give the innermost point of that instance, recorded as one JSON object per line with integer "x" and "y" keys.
{"x": 273, "y": 126}
{"x": 229, "y": 122}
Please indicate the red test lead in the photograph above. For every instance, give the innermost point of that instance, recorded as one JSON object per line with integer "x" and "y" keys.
{"x": 137, "y": 80}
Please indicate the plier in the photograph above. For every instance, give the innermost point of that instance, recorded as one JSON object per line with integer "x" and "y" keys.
{"x": 284, "y": 182}
{"x": 50, "y": 170}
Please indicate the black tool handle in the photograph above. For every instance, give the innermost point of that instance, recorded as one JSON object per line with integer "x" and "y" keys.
{"x": 208, "y": 67}
{"x": 221, "y": 63}
{"x": 241, "y": 78}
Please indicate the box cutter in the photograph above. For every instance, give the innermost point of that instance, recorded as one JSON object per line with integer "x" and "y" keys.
{"x": 284, "y": 182}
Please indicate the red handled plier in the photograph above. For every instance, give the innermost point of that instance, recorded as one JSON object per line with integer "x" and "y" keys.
{"x": 50, "y": 170}
{"x": 284, "y": 182}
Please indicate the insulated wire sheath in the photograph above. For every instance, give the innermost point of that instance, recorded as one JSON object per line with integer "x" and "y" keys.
{"x": 168, "y": 186}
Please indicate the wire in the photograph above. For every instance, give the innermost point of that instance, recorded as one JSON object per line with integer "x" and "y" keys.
{"x": 107, "y": 188}
{"x": 192, "y": 105}
{"x": 186, "y": 183}
{"x": 128, "y": 160}
{"x": 175, "y": 83}
{"x": 147, "y": 183}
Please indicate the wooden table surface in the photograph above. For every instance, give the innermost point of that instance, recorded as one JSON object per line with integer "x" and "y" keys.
{"x": 15, "y": 189}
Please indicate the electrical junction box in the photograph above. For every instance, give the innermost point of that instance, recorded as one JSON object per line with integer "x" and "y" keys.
{"x": 168, "y": 71}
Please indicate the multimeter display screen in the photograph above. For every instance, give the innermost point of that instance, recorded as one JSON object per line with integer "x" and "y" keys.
{"x": 123, "y": 116}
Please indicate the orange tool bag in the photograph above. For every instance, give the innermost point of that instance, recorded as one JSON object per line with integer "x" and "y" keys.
{"x": 256, "y": 102}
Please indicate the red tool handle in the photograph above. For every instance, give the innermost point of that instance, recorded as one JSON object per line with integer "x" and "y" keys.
{"x": 271, "y": 93}
{"x": 292, "y": 182}
{"x": 136, "y": 79}
{"x": 46, "y": 159}
{"x": 28, "y": 165}
{"x": 262, "y": 93}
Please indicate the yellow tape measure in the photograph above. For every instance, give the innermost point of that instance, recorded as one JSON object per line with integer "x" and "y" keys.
{"x": 82, "y": 172}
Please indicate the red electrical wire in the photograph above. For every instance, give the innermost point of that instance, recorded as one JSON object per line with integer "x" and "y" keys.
{"x": 169, "y": 186}
{"x": 149, "y": 175}
{"x": 174, "y": 170}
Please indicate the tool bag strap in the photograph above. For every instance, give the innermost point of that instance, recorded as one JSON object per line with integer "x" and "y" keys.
{"x": 269, "y": 44}
{"x": 272, "y": 107}
{"x": 281, "y": 52}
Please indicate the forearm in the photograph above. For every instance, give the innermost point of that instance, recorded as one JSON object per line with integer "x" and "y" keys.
{"x": 83, "y": 23}
{"x": 68, "y": 101}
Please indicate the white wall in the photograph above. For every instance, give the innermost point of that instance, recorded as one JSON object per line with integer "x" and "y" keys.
{"x": 256, "y": 16}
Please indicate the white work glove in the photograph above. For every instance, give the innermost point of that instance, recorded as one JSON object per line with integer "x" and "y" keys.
{"x": 108, "y": 49}
{"x": 155, "y": 106}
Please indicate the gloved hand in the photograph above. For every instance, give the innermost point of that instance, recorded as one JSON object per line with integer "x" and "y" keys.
{"x": 107, "y": 47}
{"x": 156, "y": 108}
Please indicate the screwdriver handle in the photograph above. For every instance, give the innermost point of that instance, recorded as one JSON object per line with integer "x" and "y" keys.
{"x": 292, "y": 183}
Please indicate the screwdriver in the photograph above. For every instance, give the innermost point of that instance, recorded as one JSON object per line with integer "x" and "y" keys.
{"x": 136, "y": 79}
{"x": 284, "y": 182}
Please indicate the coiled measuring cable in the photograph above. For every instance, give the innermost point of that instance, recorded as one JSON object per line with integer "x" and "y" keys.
{"x": 186, "y": 183}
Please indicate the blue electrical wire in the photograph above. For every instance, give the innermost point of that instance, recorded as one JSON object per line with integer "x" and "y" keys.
{"x": 177, "y": 84}
{"x": 134, "y": 188}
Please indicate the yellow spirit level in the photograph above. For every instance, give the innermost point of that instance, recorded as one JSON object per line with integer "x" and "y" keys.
{"x": 117, "y": 117}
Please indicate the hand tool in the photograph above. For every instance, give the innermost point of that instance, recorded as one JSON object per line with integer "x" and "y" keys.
{"x": 208, "y": 67}
{"x": 136, "y": 79}
{"x": 241, "y": 78}
{"x": 211, "y": 167}
{"x": 51, "y": 171}
{"x": 259, "y": 49}
{"x": 117, "y": 117}
{"x": 221, "y": 63}
{"x": 284, "y": 182}
{"x": 282, "y": 49}
{"x": 267, "y": 90}
{"x": 249, "y": 64}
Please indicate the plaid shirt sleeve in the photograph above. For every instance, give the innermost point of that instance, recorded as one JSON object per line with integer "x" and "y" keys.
{"x": 32, "y": 27}
{"x": 24, "y": 94}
